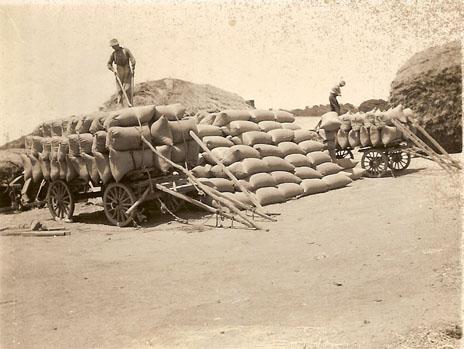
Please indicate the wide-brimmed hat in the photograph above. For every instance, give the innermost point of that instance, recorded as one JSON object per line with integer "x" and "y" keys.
{"x": 114, "y": 42}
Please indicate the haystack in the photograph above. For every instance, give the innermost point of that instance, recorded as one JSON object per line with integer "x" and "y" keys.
{"x": 10, "y": 164}
{"x": 430, "y": 83}
{"x": 10, "y": 167}
{"x": 194, "y": 97}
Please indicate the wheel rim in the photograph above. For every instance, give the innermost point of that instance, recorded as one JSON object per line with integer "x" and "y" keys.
{"x": 117, "y": 199}
{"x": 399, "y": 160}
{"x": 172, "y": 203}
{"x": 60, "y": 200}
{"x": 375, "y": 163}
{"x": 343, "y": 153}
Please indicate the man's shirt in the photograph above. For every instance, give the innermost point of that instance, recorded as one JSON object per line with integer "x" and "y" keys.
{"x": 121, "y": 57}
{"x": 336, "y": 91}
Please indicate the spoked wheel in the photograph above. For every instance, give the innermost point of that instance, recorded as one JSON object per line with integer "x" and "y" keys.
{"x": 60, "y": 200}
{"x": 399, "y": 160}
{"x": 117, "y": 199}
{"x": 172, "y": 203}
{"x": 344, "y": 153}
{"x": 375, "y": 163}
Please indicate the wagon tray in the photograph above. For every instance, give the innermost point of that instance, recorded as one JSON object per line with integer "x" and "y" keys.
{"x": 118, "y": 197}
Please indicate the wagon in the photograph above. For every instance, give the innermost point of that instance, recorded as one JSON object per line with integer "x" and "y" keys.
{"x": 24, "y": 194}
{"x": 377, "y": 161}
{"x": 120, "y": 199}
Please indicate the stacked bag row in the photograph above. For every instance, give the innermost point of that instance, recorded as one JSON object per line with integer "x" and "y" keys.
{"x": 105, "y": 146}
{"x": 374, "y": 128}
{"x": 269, "y": 154}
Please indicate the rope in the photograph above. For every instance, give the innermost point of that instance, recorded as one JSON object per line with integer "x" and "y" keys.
{"x": 150, "y": 181}
{"x": 143, "y": 153}
{"x": 79, "y": 143}
{"x": 58, "y": 152}
{"x": 131, "y": 152}
{"x": 164, "y": 209}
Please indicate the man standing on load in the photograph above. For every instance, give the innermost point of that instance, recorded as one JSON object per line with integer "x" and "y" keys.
{"x": 125, "y": 67}
{"x": 334, "y": 93}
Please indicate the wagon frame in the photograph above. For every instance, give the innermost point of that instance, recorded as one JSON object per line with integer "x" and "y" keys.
{"x": 120, "y": 199}
{"x": 378, "y": 161}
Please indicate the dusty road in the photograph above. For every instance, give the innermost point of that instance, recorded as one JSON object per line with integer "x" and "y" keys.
{"x": 372, "y": 265}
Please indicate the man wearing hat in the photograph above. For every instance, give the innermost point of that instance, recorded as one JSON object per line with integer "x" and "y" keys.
{"x": 125, "y": 67}
{"x": 334, "y": 93}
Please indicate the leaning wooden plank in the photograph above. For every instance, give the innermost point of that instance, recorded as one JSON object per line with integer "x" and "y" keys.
{"x": 202, "y": 186}
{"x": 253, "y": 198}
{"x": 227, "y": 203}
{"x": 42, "y": 185}
{"x": 236, "y": 202}
{"x": 197, "y": 203}
{"x": 437, "y": 145}
{"x": 424, "y": 147}
{"x": 138, "y": 202}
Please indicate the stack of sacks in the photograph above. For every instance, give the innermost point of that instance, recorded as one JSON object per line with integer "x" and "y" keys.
{"x": 58, "y": 166}
{"x": 80, "y": 144}
{"x": 184, "y": 149}
{"x": 31, "y": 161}
{"x": 269, "y": 155}
{"x": 102, "y": 147}
{"x": 388, "y": 132}
{"x": 163, "y": 126}
{"x": 80, "y": 160}
{"x": 330, "y": 125}
{"x": 124, "y": 149}
{"x": 43, "y": 158}
{"x": 101, "y": 155}
{"x": 374, "y": 128}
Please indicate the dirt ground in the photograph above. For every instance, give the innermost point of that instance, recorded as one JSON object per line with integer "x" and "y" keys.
{"x": 373, "y": 265}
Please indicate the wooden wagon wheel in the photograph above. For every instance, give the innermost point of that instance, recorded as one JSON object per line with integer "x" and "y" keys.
{"x": 375, "y": 163}
{"x": 172, "y": 203}
{"x": 60, "y": 200}
{"x": 399, "y": 160}
{"x": 344, "y": 153}
{"x": 117, "y": 199}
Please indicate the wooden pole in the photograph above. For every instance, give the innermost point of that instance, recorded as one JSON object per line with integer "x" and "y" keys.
{"x": 122, "y": 89}
{"x": 138, "y": 202}
{"x": 437, "y": 145}
{"x": 202, "y": 186}
{"x": 198, "y": 203}
{"x": 232, "y": 177}
{"x": 424, "y": 147}
{"x": 229, "y": 204}
{"x": 40, "y": 233}
{"x": 236, "y": 202}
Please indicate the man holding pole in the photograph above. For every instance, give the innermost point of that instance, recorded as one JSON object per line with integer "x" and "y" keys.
{"x": 334, "y": 93}
{"x": 125, "y": 67}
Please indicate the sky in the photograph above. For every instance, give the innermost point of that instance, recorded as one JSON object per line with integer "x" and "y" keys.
{"x": 282, "y": 54}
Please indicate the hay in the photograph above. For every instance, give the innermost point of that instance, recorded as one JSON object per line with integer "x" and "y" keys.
{"x": 11, "y": 164}
{"x": 430, "y": 83}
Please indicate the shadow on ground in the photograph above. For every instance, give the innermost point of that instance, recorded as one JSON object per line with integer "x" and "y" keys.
{"x": 151, "y": 217}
